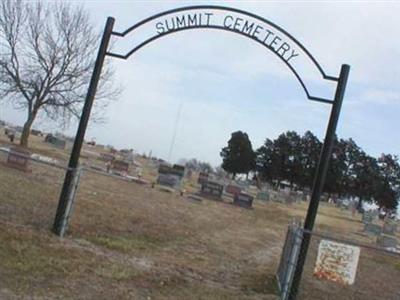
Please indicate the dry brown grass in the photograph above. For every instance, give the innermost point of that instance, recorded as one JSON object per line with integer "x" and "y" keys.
{"x": 128, "y": 241}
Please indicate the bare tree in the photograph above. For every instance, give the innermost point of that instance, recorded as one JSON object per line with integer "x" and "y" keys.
{"x": 47, "y": 57}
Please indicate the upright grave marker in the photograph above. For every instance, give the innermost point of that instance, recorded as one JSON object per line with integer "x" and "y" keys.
{"x": 211, "y": 189}
{"x": 243, "y": 199}
{"x": 18, "y": 158}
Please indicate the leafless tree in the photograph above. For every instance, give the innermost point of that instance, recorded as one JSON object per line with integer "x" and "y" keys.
{"x": 47, "y": 57}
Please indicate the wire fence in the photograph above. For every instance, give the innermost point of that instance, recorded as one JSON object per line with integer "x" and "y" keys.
{"x": 340, "y": 268}
{"x": 29, "y": 187}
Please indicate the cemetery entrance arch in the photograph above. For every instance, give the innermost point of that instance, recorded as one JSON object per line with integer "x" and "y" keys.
{"x": 262, "y": 31}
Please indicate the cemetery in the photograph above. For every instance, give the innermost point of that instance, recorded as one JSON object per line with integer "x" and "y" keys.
{"x": 103, "y": 222}
{"x": 171, "y": 221}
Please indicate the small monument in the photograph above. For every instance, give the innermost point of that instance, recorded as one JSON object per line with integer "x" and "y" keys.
{"x": 55, "y": 141}
{"x": 232, "y": 189}
{"x": 243, "y": 200}
{"x": 211, "y": 189}
{"x": 203, "y": 176}
{"x": 18, "y": 158}
{"x": 119, "y": 167}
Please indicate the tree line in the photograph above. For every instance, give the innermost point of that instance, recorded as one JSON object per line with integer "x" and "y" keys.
{"x": 293, "y": 158}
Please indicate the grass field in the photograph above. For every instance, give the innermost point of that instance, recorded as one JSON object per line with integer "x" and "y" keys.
{"x": 129, "y": 241}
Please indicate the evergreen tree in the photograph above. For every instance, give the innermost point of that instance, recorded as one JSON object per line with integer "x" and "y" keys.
{"x": 238, "y": 157}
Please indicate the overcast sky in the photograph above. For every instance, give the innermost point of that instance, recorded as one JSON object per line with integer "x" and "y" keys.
{"x": 222, "y": 82}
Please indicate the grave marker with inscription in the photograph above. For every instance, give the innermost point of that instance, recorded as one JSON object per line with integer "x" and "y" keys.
{"x": 211, "y": 189}
{"x": 243, "y": 200}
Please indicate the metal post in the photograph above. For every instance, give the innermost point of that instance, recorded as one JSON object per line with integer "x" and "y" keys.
{"x": 61, "y": 218}
{"x": 320, "y": 176}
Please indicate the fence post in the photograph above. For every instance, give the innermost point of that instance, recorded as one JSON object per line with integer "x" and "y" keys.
{"x": 319, "y": 179}
{"x": 64, "y": 221}
{"x": 67, "y": 188}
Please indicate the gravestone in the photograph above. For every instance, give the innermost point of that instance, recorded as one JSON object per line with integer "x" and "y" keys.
{"x": 389, "y": 227}
{"x": 18, "y": 158}
{"x": 211, "y": 189}
{"x": 120, "y": 167}
{"x": 107, "y": 157}
{"x": 263, "y": 195}
{"x": 55, "y": 141}
{"x": 243, "y": 200}
{"x": 387, "y": 241}
{"x": 168, "y": 180}
{"x": 232, "y": 189}
{"x": 373, "y": 229}
{"x": 202, "y": 177}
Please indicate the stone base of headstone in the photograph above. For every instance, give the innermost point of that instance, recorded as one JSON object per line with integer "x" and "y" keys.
{"x": 372, "y": 229}
{"x": 243, "y": 200}
{"x": 166, "y": 189}
{"x": 18, "y": 158}
{"x": 387, "y": 241}
{"x": 194, "y": 197}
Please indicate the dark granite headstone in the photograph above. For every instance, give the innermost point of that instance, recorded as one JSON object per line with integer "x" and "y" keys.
{"x": 55, "y": 141}
{"x": 168, "y": 180}
{"x": 212, "y": 190}
{"x": 243, "y": 200}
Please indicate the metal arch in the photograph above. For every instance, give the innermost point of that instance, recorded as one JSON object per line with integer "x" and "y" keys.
{"x": 126, "y": 56}
{"x": 236, "y": 10}
{"x": 137, "y": 25}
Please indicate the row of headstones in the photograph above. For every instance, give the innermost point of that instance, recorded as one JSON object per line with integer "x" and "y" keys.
{"x": 215, "y": 191}
{"x": 385, "y": 234}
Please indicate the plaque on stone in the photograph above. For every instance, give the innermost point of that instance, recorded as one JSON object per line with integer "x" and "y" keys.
{"x": 243, "y": 200}
{"x": 18, "y": 158}
{"x": 211, "y": 189}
